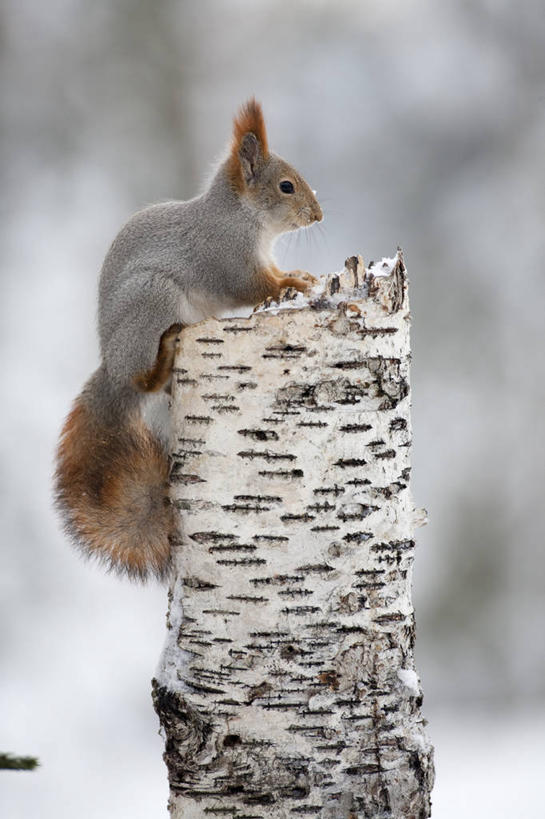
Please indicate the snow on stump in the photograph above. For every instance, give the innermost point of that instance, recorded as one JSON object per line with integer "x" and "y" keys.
{"x": 287, "y": 684}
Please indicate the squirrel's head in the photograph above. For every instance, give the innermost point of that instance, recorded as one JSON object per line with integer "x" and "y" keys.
{"x": 275, "y": 189}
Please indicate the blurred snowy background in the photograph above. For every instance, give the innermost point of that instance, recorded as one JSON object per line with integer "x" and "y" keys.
{"x": 420, "y": 124}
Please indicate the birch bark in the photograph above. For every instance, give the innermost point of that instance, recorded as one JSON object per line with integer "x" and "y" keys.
{"x": 287, "y": 684}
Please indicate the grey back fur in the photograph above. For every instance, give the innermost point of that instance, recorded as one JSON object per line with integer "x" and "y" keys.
{"x": 175, "y": 262}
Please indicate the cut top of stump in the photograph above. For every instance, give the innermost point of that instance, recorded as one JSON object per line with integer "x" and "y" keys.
{"x": 382, "y": 285}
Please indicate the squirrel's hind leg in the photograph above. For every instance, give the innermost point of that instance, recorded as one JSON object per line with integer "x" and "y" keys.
{"x": 158, "y": 375}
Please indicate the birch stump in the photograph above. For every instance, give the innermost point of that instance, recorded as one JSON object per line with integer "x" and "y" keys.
{"x": 287, "y": 685}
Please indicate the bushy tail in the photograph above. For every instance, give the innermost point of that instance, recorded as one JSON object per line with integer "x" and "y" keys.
{"x": 111, "y": 490}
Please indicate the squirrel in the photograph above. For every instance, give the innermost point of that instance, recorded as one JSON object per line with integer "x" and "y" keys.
{"x": 171, "y": 265}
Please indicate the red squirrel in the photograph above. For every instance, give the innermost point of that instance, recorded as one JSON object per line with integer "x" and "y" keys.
{"x": 171, "y": 265}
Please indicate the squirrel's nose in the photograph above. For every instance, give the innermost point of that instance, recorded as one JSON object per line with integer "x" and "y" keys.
{"x": 317, "y": 213}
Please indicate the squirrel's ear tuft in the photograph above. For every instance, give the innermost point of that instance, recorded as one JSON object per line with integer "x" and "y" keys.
{"x": 249, "y": 147}
{"x": 250, "y": 120}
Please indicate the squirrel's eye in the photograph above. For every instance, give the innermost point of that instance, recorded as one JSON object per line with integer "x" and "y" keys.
{"x": 286, "y": 186}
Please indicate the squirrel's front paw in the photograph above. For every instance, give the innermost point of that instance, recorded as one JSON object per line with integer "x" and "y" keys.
{"x": 302, "y": 274}
{"x": 300, "y": 284}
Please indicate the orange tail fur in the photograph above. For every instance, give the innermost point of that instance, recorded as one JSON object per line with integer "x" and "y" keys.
{"x": 110, "y": 487}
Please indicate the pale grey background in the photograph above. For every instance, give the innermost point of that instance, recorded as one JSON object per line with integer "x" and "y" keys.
{"x": 419, "y": 123}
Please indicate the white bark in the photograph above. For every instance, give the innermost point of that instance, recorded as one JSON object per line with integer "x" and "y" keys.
{"x": 287, "y": 684}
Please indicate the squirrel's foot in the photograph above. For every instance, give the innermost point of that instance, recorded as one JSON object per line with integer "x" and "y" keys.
{"x": 171, "y": 335}
{"x": 157, "y": 377}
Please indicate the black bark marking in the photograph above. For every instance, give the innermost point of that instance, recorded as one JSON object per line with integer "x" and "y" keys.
{"x": 347, "y": 463}
{"x": 176, "y": 476}
{"x": 233, "y": 547}
{"x": 259, "y": 434}
{"x": 304, "y": 518}
{"x": 266, "y": 455}
{"x": 377, "y": 331}
{"x": 259, "y": 498}
{"x": 329, "y": 490}
{"x": 394, "y": 545}
{"x": 284, "y": 351}
{"x": 325, "y": 528}
{"x": 384, "y": 456}
{"x": 198, "y": 585}
{"x": 244, "y": 561}
{"x": 225, "y": 408}
{"x": 394, "y": 617}
{"x": 198, "y": 419}
{"x": 277, "y": 580}
{"x": 246, "y": 508}
{"x": 187, "y": 382}
{"x": 191, "y": 441}
{"x": 312, "y": 424}
{"x": 321, "y": 507}
{"x": 284, "y": 474}
{"x": 317, "y": 568}
{"x": 216, "y": 396}
{"x": 212, "y": 537}
{"x": 357, "y": 537}
{"x": 235, "y": 368}
{"x": 301, "y": 611}
{"x": 353, "y": 364}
